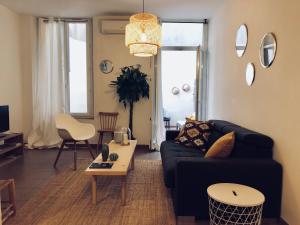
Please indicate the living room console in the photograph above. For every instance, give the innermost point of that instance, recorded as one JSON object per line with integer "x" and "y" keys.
{"x": 11, "y": 145}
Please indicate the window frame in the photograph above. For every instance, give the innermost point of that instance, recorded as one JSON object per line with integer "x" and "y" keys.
{"x": 90, "y": 74}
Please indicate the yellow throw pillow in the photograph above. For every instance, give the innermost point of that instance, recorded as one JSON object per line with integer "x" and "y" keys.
{"x": 222, "y": 147}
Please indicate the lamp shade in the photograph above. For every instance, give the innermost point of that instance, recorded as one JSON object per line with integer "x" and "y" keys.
{"x": 143, "y": 35}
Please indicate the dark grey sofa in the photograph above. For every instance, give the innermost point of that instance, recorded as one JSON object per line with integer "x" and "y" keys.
{"x": 188, "y": 174}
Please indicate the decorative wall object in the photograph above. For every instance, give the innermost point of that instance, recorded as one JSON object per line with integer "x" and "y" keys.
{"x": 106, "y": 66}
{"x": 175, "y": 90}
{"x": 143, "y": 34}
{"x": 241, "y": 40}
{"x": 186, "y": 87}
{"x": 250, "y": 74}
{"x": 267, "y": 50}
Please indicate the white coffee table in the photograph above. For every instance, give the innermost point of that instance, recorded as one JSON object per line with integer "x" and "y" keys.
{"x": 121, "y": 167}
{"x": 237, "y": 204}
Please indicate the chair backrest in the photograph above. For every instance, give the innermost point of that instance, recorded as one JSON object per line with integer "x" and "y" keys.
{"x": 108, "y": 120}
{"x": 65, "y": 121}
{"x": 70, "y": 127}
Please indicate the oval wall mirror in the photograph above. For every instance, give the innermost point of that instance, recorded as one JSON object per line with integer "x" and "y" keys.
{"x": 241, "y": 40}
{"x": 250, "y": 74}
{"x": 267, "y": 50}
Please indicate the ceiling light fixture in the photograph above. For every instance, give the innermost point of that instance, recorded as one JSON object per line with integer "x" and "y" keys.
{"x": 143, "y": 34}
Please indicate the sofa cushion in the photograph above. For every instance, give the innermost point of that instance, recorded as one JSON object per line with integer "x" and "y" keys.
{"x": 222, "y": 147}
{"x": 194, "y": 134}
{"x": 214, "y": 136}
{"x": 248, "y": 144}
{"x": 250, "y": 137}
{"x": 170, "y": 151}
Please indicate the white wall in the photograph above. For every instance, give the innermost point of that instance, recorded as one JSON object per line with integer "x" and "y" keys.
{"x": 11, "y": 67}
{"x": 28, "y": 46}
{"x": 272, "y": 104}
{"x": 15, "y": 67}
{"x": 113, "y": 47}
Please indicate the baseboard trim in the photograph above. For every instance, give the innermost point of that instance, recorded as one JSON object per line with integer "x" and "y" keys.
{"x": 143, "y": 147}
{"x": 283, "y": 222}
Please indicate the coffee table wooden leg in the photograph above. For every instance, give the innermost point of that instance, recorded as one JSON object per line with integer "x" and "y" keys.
{"x": 132, "y": 162}
{"x": 94, "y": 189}
{"x": 123, "y": 180}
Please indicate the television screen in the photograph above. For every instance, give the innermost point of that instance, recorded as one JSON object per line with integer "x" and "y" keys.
{"x": 4, "y": 118}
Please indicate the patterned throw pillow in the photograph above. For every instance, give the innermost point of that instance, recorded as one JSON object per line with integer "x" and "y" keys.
{"x": 194, "y": 134}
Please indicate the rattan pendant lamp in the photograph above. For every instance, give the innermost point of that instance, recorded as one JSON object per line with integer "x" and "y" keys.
{"x": 143, "y": 34}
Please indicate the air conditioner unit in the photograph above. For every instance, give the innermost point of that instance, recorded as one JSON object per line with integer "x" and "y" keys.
{"x": 113, "y": 26}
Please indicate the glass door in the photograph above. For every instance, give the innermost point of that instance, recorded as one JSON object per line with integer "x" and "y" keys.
{"x": 179, "y": 85}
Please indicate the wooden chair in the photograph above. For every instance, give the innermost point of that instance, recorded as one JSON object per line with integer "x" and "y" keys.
{"x": 71, "y": 130}
{"x": 108, "y": 122}
{"x": 9, "y": 207}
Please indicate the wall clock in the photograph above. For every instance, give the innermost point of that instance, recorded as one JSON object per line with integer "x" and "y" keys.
{"x": 106, "y": 66}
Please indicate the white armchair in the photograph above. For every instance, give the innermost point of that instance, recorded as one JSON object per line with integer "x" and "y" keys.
{"x": 71, "y": 130}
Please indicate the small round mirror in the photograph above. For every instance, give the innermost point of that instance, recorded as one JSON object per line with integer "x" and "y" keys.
{"x": 186, "y": 87}
{"x": 250, "y": 74}
{"x": 175, "y": 90}
{"x": 241, "y": 40}
{"x": 267, "y": 50}
{"x": 106, "y": 66}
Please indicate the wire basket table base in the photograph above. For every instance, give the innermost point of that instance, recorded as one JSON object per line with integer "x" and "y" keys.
{"x": 221, "y": 214}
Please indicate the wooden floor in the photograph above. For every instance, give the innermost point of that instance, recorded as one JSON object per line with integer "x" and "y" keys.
{"x": 33, "y": 171}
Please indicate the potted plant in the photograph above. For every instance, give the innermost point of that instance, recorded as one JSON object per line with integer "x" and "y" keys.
{"x": 131, "y": 85}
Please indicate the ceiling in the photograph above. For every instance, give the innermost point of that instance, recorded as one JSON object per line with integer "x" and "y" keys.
{"x": 166, "y": 9}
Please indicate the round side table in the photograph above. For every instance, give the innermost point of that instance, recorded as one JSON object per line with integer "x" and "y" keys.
{"x": 234, "y": 204}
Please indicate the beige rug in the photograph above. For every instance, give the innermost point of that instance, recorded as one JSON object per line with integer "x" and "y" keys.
{"x": 67, "y": 200}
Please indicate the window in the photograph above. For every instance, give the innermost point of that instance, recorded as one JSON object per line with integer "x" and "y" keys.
{"x": 79, "y": 73}
{"x": 182, "y": 34}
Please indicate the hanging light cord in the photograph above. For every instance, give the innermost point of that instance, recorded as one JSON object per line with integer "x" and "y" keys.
{"x": 143, "y": 6}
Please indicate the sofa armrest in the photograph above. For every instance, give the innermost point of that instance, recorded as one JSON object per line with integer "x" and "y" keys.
{"x": 194, "y": 175}
{"x": 171, "y": 134}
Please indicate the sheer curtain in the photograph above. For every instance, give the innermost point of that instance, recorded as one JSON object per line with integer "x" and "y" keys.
{"x": 48, "y": 84}
{"x": 158, "y": 126}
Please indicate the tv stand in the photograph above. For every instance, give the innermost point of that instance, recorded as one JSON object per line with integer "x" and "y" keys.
{"x": 12, "y": 146}
{"x": 2, "y": 135}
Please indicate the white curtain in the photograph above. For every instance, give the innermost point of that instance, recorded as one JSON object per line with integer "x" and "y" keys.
{"x": 48, "y": 84}
{"x": 158, "y": 126}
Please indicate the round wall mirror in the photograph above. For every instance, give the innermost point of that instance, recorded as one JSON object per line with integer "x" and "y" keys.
{"x": 106, "y": 66}
{"x": 241, "y": 40}
{"x": 186, "y": 87}
{"x": 267, "y": 50}
{"x": 250, "y": 74}
{"x": 175, "y": 90}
